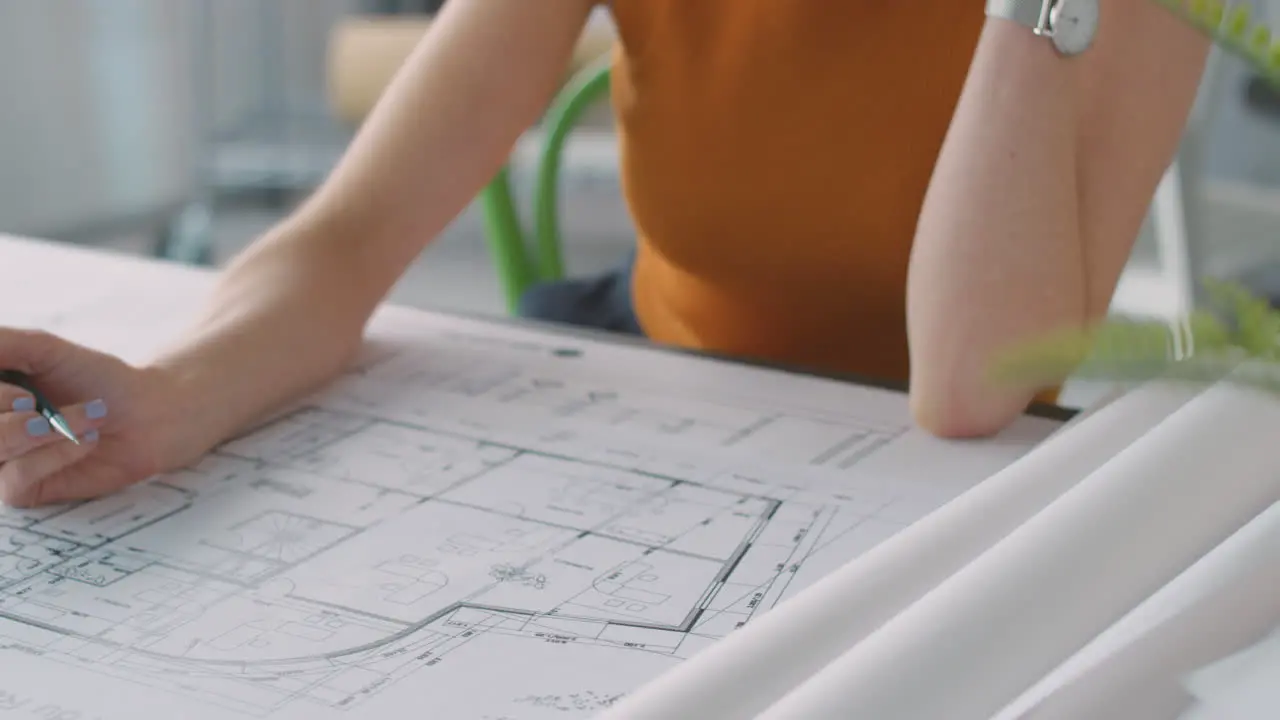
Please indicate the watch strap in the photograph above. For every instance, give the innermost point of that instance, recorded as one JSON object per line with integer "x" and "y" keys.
{"x": 1023, "y": 12}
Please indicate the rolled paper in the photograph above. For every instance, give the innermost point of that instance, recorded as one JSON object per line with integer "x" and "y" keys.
{"x": 998, "y": 625}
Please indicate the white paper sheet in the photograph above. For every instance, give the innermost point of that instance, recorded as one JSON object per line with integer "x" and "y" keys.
{"x": 1134, "y": 670}
{"x": 755, "y": 666}
{"x": 479, "y": 521}
{"x": 992, "y": 630}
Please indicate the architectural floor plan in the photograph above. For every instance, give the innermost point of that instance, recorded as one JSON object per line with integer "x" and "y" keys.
{"x": 478, "y": 524}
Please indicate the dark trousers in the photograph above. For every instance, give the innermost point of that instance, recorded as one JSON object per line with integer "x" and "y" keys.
{"x": 599, "y": 302}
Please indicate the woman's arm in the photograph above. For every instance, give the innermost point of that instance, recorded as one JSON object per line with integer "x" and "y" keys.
{"x": 1038, "y": 196}
{"x": 288, "y": 313}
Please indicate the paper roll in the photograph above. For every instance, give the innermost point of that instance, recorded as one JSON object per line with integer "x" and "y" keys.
{"x": 992, "y": 630}
{"x": 1226, "y": 602}
{"x": 365, "y": 53}
{"x": 754, "y": 666}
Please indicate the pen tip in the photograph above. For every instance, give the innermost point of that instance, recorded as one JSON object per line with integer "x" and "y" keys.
{"x": 60, "y": 423}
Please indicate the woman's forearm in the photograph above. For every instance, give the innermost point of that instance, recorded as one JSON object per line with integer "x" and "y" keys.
{"x": 289, "y": 312}
{"x": 284, "y": 319}
{"x": 997, "y": 253}
{"x": 1038, "y": 196}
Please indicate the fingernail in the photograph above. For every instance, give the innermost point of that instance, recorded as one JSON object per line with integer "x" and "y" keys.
{"x": 96, "y": 410}
{"x": 90, "y": 437}
{"x": 25, "y": 403}
{"x": 37, "y": 426}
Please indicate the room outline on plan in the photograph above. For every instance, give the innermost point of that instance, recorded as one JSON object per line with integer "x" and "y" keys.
{"x": 426, "y": 503}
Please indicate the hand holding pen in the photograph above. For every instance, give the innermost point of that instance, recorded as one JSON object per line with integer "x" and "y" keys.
{"x": 129, "y": 423}
{"x": 63, "y": 415}
{"x": 30, "y": 422}
{"x": 27, "y": 398}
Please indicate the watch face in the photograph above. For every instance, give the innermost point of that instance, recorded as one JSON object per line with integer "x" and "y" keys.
{"x": 1074, "y": 23}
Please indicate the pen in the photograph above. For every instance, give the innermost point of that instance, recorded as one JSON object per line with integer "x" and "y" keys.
{"x": 43, "y": 406}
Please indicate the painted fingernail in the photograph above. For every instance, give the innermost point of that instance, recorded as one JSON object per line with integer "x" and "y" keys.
{"x": 37, "y": 426}
{"x": 90, "y": 437}
{"x": 96, "y": 410}
{"x": 25, "y": 403}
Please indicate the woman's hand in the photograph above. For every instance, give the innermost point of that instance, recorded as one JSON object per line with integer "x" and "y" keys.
{"x": 114, "y": 409}
{"x": 289, "y": 313}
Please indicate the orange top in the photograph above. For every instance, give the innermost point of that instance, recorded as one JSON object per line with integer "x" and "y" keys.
{"x": 775, "y": 154}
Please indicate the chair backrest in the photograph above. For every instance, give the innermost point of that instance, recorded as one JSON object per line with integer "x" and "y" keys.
{"x": 519, "y": 264}
{"x": 585, "y": 90}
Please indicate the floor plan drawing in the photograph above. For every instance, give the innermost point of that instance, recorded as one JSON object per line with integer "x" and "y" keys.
{"x": 486, "y": 527}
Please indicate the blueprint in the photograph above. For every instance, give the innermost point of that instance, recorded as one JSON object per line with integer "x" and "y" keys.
{"x": 475, "y": 522}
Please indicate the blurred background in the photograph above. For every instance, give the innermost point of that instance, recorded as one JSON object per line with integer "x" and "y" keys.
{"x": 192, "y": 125}
{"x": 184, "y": 128}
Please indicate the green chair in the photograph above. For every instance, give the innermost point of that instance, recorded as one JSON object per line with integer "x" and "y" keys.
{"x": 521, "y": 263}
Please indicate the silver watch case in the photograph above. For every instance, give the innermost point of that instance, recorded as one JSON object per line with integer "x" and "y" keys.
{"x": 1073, "y": 25}
{"x": 1070, "y": 25}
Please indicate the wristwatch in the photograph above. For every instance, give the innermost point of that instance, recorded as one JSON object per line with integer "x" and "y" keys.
{"x": 1069, "y": 24}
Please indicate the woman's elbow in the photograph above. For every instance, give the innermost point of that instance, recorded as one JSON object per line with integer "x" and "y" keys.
{"x": 957, "y": 405}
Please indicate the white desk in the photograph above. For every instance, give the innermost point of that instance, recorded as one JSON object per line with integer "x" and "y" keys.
{"x": 484, "y": 521}
{"x": 110, "y": 301}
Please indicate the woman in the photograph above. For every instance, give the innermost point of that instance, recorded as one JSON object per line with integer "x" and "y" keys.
{"x": 893, "y": 189}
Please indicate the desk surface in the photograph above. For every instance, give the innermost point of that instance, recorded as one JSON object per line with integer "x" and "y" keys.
{"x": 475, "y": 504}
